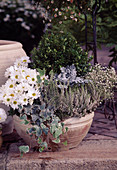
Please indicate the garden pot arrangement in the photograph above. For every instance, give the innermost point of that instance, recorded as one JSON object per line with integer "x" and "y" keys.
{"x": 53, "y": 108}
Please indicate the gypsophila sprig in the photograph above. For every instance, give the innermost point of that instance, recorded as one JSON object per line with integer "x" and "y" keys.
{"x": 104, "y": 79}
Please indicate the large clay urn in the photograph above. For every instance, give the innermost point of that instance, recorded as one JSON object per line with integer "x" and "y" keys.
{"x": 9, "y": 52}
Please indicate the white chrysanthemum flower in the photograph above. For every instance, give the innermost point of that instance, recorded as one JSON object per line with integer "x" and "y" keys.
{"x": 23, "y": 61}
{"x": 9, "y": 71}
{"x": 31, "y": 76}
{"x": 31, "y": 101}
{"x": 10, "y": 84}
{"x": 24, "y": 99}
{"x": 34, "y": 94}
{"x": 7, "y": 100}
{"x": 15, "y": 104}
{"x": 3, "y": 115}
{"x": 15, "y": 76}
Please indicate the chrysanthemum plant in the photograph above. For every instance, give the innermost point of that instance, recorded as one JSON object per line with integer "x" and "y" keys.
{"x": 23, "y": 93}
{"x": 44, "y": 102}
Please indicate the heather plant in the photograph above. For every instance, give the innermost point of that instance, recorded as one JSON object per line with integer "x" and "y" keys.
{"x": 59, "y": 50}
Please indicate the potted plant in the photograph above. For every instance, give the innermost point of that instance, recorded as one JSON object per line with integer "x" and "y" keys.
{"x": 47, "y": 110}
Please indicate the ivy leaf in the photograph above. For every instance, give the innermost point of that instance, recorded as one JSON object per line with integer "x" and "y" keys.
{"x": 20, "y": 107}
{"x": 44, "y": 144}
{"x": 56, "y": 140}
{"x": 45, "y": 82}
{"x": 39, "y": 79}
{"x": 52, "y": 129}
{"x": 26, "y": 122}
{"x": 66, "y": 128}
{"x": 41, "y": 149}
{"x": 33, "y": 129}
{"x": 65, "y": 143}
{"x": 44, "y": 128}
{"x": 58, "y": 132}
{"x": 24, "y": 117}
{"x": 41, "y": 72}
{"x": 23, "y": 149}
{"x": 39, "y": 141}
{"x": 38, "y": 132}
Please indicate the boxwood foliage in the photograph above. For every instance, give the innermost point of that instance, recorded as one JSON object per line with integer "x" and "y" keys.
{"x": 59, "y": 50}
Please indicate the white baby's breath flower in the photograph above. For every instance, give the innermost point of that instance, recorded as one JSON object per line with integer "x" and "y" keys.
{"x": 3, "y": 115}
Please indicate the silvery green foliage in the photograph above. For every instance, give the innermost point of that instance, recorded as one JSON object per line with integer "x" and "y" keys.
{"x": 44, "y": 121}
{"x": 68, "y": 76}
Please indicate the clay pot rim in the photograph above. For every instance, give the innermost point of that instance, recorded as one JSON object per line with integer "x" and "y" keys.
{"x": 76, "y": 120}
{"x": 70, "y": 121}
{"x": 6, "y": 45}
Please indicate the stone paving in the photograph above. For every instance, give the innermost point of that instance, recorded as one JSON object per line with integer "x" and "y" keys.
{"x": 98, "y": 151}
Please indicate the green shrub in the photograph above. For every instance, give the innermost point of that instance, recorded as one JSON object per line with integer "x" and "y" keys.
{"x": 59, "y": 50}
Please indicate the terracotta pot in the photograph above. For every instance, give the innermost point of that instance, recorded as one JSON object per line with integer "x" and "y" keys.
{"x": 9, "y": 52}
{"x": 77, "y": 130}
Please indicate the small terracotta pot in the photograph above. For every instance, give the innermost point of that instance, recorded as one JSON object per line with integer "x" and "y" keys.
{"x": 77, "y": 130}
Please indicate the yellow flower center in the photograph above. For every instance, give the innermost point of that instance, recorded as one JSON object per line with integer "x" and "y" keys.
{"x": 15, "y": 102}
{"x": 8, "y": 99}
{"x": 24, "y": 61}
{"x": 25, "y": 100}
{"x": 11, "y": 86}
{"x": 4, "y": 95}
{"x": 12, "y": 95}
{"x": 27, "y": 76}
{"x": 33, "y": 79}
{"x": 34, "y": 94}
